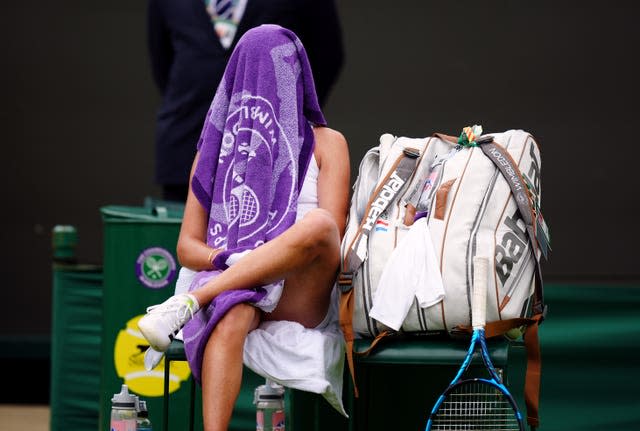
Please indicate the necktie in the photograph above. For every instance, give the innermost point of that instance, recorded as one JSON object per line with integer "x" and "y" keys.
{"x": 225, "y": 15}
{"x": 224, "y": 9}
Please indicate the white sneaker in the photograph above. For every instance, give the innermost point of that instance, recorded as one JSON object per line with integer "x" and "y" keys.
{"x": 163, "y": 321}
{"x": 152, "y": 358}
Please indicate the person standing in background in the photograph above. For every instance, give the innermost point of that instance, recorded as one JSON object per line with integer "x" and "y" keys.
{"x": 190, "y": 42}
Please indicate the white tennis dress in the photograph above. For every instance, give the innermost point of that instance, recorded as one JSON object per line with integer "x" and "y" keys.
{"x": 308, "y": 198}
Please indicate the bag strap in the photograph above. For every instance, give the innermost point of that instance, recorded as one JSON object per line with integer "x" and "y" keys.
{"x": 532, "y": 379}
{"x": 510, "y": 171}
{"x": 356, "y": 253}
{"x": 382, "y": 196}
{"x": 346, "y": 324}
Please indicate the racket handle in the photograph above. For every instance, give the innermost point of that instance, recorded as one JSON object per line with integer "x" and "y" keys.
{"x": 479, "y": 299}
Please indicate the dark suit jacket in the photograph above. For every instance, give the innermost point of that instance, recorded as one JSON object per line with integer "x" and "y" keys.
{"x": 188, "y": 61}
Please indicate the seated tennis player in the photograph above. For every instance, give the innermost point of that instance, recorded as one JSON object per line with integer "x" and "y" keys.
{"x": 263, "y": 220}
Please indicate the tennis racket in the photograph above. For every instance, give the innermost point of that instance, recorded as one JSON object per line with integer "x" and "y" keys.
{"x": 476, "y": 403}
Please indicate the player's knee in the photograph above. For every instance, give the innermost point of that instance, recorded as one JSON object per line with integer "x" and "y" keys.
{"x": 321, "y": 229}
{"x": 236, "y": 323}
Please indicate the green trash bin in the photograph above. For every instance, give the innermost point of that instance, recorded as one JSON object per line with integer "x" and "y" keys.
{"x": 140, "y": 269}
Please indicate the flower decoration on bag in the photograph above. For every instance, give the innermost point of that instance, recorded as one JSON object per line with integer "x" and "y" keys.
{"x": 469, "y": 135}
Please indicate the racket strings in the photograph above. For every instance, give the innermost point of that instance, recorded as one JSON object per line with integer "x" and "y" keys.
{"x": 475, "y": 406}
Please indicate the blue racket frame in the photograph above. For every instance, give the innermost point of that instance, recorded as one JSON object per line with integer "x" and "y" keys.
{"x": 477, "y": 338}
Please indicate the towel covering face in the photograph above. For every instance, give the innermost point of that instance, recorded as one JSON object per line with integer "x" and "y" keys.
{"x": 254, "y": 150}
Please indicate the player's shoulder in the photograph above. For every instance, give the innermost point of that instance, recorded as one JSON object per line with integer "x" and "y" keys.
{"x": 329, "y": 140}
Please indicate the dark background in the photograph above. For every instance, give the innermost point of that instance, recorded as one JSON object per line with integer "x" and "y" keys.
{"x": 78, "y": 107}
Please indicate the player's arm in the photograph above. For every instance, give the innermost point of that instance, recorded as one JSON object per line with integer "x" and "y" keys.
{"x": 192, "y": 249}
{"x": 332, "y": 155}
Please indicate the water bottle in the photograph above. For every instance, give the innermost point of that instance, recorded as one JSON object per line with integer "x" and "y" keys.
{"x": 123, "y": 411}
{"x": 269, "y": 401}
{"x": 143, "y": 421}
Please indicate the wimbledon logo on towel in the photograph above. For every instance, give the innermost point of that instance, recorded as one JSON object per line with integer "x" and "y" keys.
{"x": 255, "y": 140}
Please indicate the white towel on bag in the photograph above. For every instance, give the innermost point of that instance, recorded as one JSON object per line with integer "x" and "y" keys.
{"x": 412, "y": 272}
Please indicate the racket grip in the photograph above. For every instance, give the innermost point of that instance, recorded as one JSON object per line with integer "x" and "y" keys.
{"x": 479, "y": 299}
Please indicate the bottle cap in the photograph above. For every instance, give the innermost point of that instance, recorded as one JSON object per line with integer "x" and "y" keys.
{"x": 271, "y": 391}
{"x": 124, "y": 398}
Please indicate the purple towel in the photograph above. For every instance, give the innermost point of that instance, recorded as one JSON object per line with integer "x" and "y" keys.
{"x": 254, "y": 151}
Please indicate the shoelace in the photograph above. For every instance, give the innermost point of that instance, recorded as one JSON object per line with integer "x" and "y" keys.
{"x": 181, "y": 310}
